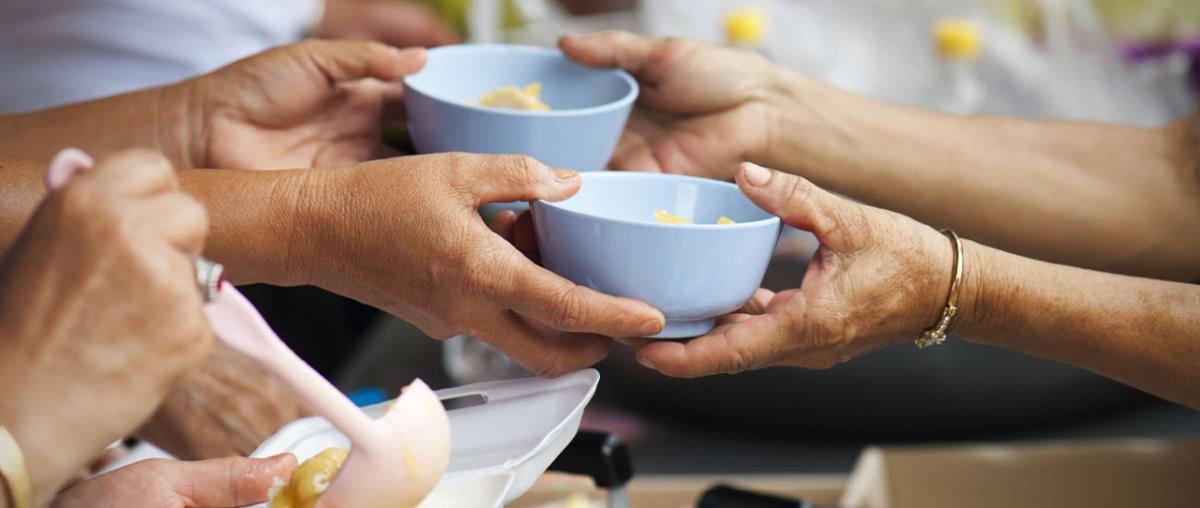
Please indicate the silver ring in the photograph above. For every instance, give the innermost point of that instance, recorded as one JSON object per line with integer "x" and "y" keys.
{"x": 209, "y": 275}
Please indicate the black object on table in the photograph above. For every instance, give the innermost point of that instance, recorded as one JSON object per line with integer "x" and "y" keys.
{"x": 604, "y": 458}
{"x": 724, "y": 496}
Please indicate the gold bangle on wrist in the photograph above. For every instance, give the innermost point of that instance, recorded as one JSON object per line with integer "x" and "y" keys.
{"x": 937, "y": 334}
{"x": 13, "y": 472}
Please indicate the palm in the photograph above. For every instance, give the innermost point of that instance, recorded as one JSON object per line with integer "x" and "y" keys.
{"x": 708, "y": 145}
{"x": 699, "y": 112}
{"x": 306, "y": 105}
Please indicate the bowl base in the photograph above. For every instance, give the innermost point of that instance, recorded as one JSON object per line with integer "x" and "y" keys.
{"x": 683, "y": 329}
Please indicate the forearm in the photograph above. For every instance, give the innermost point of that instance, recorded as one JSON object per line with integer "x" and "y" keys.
{"x": 152, "y": 118}
{"x": 251, "y": 214}
{"x": 1142, "y": 332}
{"x": 1099, "y": 196}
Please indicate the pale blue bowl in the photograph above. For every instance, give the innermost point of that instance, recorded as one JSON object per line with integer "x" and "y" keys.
{"x": 606, "y": 238}
{"x": 589, "y": 106}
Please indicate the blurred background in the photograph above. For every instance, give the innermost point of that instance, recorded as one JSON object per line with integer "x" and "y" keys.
{"x": 1125, "y": 61}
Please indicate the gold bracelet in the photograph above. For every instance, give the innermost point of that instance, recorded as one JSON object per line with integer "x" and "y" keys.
{"x": 13, "y": 472}
{"x": 937, "y": 335}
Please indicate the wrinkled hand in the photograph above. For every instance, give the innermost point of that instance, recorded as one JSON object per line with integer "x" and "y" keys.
{"x": 702, "y": 109}
{"x": 99, "y": 312}
{"x": 878, "y": 278}
{"x": 395, "y": 22}
{"x": 157, "y": 483}
{"x": 312, "y": 104}
{"x": 404, "y": 235}
{"x": 226, "y": 407}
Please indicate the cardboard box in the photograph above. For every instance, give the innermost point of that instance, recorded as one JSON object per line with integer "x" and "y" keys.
{"x": 1126, "y": 473}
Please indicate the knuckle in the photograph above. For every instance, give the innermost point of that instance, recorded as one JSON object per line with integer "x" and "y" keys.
{"x": 568, "y": 312}
{"x": 523, "y": 171}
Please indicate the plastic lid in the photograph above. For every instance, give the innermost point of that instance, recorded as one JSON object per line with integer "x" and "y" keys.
{"x": 957, "y": 38}
{"x": 746, "y": 26}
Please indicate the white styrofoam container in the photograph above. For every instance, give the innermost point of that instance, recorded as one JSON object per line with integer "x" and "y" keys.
{"x": 498, "y": 448}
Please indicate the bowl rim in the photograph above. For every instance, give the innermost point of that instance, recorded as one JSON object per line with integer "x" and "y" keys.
{"x": 623, "y": 102}
{"x": 771, "y": 220}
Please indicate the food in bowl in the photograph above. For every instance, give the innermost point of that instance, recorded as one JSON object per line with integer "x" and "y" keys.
{"x": 309, "y": 480}
{"x": 511, "y": 97}
{"x": 666, "y": 217}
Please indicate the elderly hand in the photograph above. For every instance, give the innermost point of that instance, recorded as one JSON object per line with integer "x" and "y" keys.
{"x": 702, "y": 108}
{"x": 312, "y": 104}
{"x": 879, "y": 278}
{"x": 226, "y": 407}
{"x": 99, "y": 312}
{"x": 157, "y": 483}
{"x": 404, "y": 235}
{"x": 395, "y": 22}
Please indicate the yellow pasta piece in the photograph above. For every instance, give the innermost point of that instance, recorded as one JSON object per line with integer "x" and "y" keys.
{"x": 725, "y": 220}
{"x": 511, "y": 97}
{"x": 309, "y": 480}
{"x": 665, "y": 217}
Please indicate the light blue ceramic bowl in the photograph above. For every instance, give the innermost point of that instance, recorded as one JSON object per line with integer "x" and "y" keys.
{"x": 589, "y": 106}
{"x": 606, "y": 237}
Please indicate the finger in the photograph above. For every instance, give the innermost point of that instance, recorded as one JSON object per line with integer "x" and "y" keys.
{"x": 227, "y": 482}
{"x": 354, "y": 60}
{"x": 546, "y": 352}
{"x": 178, "y": 218}
{"x": 500, "y": 178}
{"x": 66, "y": 165}
{"x": 608, "y": 49}
{"x": 503, "y": 224}
{"x": 547, "y": 298}
{"x": 800, "y": 204}
{"x": 758, "y": 303}
{"x": 524, "y": 238}
{"x": 744, "y": 344}
{"x": 136, "y": 172}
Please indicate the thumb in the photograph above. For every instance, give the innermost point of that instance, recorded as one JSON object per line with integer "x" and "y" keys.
{"x": 355, "y": 60}
{"x": 801, "y": 204}
{"x": 228, "y": 482}
{"x": 608, "y": 49}
{"x": 501, "y": 178}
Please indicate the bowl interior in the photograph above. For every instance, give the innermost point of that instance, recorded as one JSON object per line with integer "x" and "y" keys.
{"x": 634, "y": 197}
{"x": 463, "y": 73}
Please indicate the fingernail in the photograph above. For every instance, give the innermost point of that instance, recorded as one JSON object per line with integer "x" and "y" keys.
{"x": 565, "y": 175}
{"x": 653, "y": 326}
{"x": 646, "y": 363}
{"x": 756, "y": 175}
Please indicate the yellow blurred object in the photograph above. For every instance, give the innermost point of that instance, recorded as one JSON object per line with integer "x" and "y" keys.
{"x": 725, "y": 220}
{"x": 665, "y": 217}
{"x": 957, "y": 38}
{"x": 511, "y": 97}
{"x": 746, "y": 27}
{"x": 309, "y": 480}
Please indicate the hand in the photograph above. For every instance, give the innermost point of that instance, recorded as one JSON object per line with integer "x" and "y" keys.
{"x": 702, "y": 108}
{"x": 404, "y": 235}
{"x": 398, "y": 23}
{"x": 311, "y": 104}
{"x": 158, "y": 483}
{"x": 878, "y": 278}
{"x": 226, "y": 407}
{"x": 99, "y": 312}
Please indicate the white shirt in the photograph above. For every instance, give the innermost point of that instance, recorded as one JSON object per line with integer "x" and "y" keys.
{"x": 54, "y": 52}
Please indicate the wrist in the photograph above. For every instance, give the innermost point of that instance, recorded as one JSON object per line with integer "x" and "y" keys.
{"x": 984, "y": 293}
{"x": 181, "y": 125}
{"x": 798, "y": 120}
